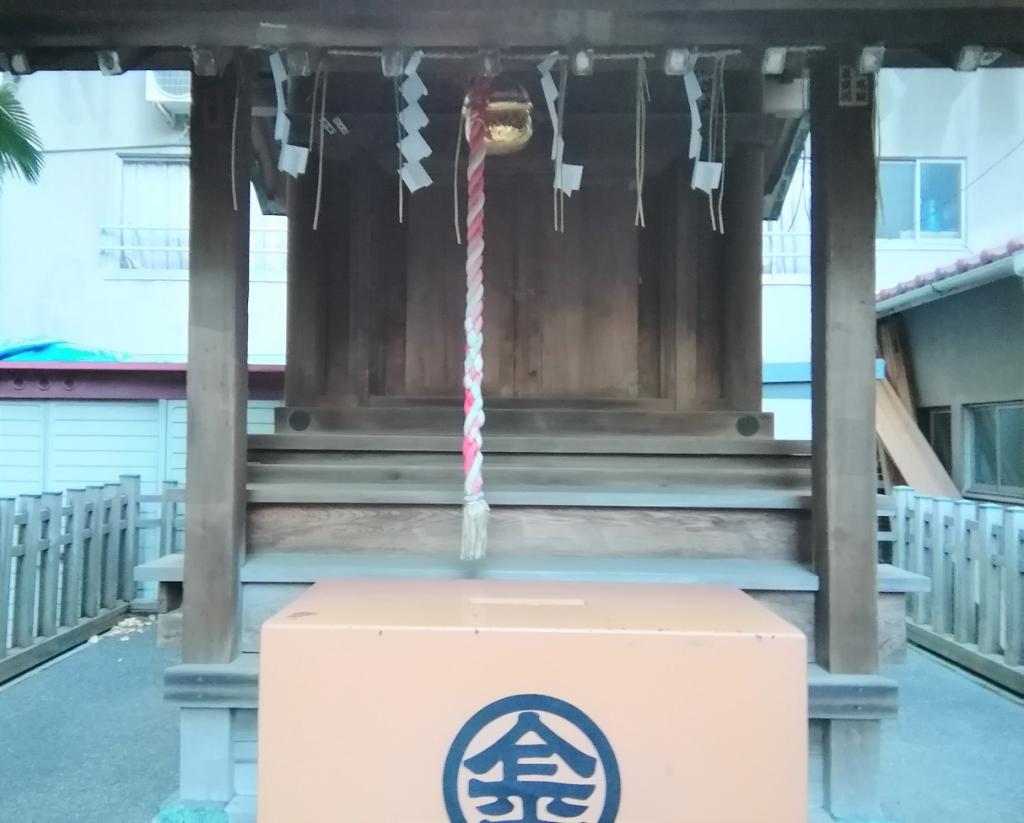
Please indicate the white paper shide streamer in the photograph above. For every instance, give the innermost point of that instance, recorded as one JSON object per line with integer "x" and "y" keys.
{"x": 292, "y": 159}
{"x": 412, "y": 147}
{"x": 708, "y": 166}
{"x": 568, "y": 176}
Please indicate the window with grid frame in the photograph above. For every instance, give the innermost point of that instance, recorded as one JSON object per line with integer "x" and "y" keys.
{"x": 921, "y": 200}
{"x": 153, "y": 231}
{"x": 996, "y": 449}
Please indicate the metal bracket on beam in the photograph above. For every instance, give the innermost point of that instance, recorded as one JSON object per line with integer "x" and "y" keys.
{"x": 298, "y": 62}
{"x": 677, "y": 62}
{"x": 581, "y": 62}
{"x": 392, "y": 62}
{"x": 109, "y": 62}
{"x": 15, "y": 62}
{"x": 205, "y": 62}
{"x": 490, "y": 62}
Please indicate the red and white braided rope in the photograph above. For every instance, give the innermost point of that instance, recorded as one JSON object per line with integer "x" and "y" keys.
{"x": 474, "y": 533}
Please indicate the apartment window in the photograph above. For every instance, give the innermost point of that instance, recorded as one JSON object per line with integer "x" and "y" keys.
{"x": 937, "y": 425}
{"x": 154, "y": 213}
{"x": 996, "y": 444}
{"x": 151, "y": 237}
{"x": 921, "y": 201}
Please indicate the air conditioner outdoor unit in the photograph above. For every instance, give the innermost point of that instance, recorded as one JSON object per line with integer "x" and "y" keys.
{"x": 170, "y": 89}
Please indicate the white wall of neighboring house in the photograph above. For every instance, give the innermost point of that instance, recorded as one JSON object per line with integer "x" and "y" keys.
{"x": 974, "y": 120}
{"x": 55, "y": 279}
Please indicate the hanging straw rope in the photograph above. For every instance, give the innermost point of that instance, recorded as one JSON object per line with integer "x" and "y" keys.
{"x": 320, "y": 159}
{"x": 643, "y": 96}
{"x": 475, "y": 510}
{"x": 234, "y": 139}
{"x": 455, "y": 174}
{"x": 725, "y": 119}
{"x": 398, "y": 134}
{"x": 563, "y": 82}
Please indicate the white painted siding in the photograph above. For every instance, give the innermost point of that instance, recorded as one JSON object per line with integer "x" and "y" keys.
{"x": 22, "y": 433}
{"x": 59, "y": 444}
{"x": 89, "y": 443}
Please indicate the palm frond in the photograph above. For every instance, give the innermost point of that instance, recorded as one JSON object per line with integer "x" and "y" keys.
{"x": 21, "y": 150}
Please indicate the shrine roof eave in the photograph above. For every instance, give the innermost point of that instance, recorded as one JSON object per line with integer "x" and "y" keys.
{"x": 915, "y": 32}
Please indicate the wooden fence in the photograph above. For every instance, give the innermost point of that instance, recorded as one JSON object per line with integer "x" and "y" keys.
{"x": 973, "y": 553}
{"x": 67, "y": 564}
{"x": 162, "y": 522}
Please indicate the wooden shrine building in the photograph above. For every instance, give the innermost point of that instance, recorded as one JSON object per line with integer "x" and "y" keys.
{"x": 624, "y": 437}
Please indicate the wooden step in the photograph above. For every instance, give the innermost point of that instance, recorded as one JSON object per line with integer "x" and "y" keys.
{"x": 743, "y": 573}
{"x": 560, "y": 444}
{"x": 777, "y": 533}
{"x": 662, "y": 471}
{"x": 428, "y": 419}
{"x": 540, "y": 495}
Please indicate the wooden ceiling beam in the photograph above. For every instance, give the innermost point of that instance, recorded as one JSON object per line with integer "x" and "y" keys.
{"x": 461, "y": 23}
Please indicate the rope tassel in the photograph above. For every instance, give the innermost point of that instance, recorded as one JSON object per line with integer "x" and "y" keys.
{"x": 475, "y": 509}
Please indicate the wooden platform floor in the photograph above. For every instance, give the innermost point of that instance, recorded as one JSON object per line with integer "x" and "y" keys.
{"x": 764, "y": 575}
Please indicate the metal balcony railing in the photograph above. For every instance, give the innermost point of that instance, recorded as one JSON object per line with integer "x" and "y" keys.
{"x": 165, "y": 248}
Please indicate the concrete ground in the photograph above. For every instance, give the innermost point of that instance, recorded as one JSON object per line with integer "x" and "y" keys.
{"x": 955, "y": 752}
{"x": 89, "y": 740}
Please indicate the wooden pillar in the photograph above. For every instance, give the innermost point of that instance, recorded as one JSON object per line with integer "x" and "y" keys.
{"x": 307, "y": 304}
{"x": 843, "y": 408}
{"x": 743, "y": 211}
{"x": 217, "y": 366}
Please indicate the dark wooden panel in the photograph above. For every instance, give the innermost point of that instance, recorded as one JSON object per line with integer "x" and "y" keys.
{"x": 387, "y": 370}
{"x": 779, "y": 535}
{"x": 653, "y": 243}
{"x": 741, "y": 255}
{"x": 337, "y": 283}
{"x": 707, "y": 392}
{"x": 317, "y": 282}
{"x": 578, "y": 316}
{"x": 436, "y": 298}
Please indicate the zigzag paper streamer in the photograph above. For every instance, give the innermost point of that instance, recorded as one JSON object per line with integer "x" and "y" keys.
{"x": 412, "y": 118}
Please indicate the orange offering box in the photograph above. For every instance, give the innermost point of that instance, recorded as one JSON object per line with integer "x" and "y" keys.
{"x": 465, "y": 701}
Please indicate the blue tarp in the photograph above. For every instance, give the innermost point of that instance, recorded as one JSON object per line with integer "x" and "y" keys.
{"x": 55, "y": 351}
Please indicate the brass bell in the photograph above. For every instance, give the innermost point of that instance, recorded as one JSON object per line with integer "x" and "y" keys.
{"x": 509, "y": 118}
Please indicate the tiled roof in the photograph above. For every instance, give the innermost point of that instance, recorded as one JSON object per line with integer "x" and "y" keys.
{"x": 964, "y": 264}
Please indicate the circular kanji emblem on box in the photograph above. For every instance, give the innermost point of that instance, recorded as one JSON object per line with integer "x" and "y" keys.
{"x": 531, "y": 758}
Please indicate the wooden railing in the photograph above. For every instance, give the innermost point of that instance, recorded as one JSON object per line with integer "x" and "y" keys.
{"x": 163, "y": 516}
{"x": 67, "y": 563}
{"x": 973, "y": 553}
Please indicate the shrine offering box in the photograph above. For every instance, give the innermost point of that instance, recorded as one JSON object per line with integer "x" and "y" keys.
{"x": 405, "y": 701}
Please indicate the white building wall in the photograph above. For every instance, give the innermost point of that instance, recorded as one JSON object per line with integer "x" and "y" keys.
{"x": 53, "y": 445}
{"x": 923, "y": 113}
{"x": 54, "y": 280}
{"x": 977, "y": 116}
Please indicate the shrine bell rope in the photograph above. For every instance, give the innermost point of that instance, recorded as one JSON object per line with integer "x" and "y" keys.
{"x": 475, "y": 509}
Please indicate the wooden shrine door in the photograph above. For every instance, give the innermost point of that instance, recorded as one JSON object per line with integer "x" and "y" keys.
{"x": 561, "y": 309}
